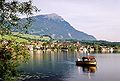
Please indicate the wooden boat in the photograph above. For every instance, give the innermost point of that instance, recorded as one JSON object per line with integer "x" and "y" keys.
{"x": 86, "y": 61}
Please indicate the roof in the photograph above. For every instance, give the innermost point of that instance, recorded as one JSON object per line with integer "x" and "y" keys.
{"x": 89, "y": 57}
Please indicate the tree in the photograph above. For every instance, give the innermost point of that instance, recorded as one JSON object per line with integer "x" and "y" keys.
{"x": 9, "y": 15}
{"x": 13, "y": 53}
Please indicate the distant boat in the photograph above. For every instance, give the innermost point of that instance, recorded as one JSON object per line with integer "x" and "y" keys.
{"x": 87, "y": 61}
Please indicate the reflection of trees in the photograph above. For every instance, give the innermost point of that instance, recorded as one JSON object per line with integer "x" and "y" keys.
{"x": 52, "y": 56}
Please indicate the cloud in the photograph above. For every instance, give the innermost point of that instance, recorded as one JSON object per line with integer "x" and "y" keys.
{"x": 91, "y": 16}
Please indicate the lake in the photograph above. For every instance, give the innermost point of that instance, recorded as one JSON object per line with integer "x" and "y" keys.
{"x": 60, "y": 66}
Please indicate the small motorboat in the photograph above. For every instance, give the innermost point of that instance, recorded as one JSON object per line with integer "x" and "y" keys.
{"x": 86, "y": 61}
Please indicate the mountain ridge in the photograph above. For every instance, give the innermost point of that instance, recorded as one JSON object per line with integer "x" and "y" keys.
{"x": 56, "y": 27}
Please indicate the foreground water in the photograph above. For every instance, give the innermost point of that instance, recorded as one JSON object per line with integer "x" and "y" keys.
{"x": 60, "y": 66}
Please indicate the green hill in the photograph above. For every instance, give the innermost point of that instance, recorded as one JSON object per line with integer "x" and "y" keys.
{"x": 24, "y": 37}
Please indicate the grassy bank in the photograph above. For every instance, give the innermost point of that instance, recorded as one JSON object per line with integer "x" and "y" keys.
{"x": 27, "y": 38}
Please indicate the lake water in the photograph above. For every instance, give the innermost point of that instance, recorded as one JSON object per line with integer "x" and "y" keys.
{"x": 60, "y": 66}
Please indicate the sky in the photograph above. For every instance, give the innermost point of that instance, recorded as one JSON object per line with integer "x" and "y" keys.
{"x": 100, "y": 18}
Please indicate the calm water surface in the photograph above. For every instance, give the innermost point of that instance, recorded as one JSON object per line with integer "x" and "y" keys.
{"x": 60, "y": 66}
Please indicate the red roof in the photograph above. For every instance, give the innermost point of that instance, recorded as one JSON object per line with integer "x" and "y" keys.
{"x": 89, "y": 57}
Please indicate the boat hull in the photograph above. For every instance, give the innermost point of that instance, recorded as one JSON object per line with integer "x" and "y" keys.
{"x": 86, "y": 63}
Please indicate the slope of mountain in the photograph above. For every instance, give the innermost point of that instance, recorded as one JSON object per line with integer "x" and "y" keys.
{"x": 56, "y": 27}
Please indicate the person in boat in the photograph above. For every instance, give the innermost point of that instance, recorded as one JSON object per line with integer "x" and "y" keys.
{"x": 78, "y": 59}
{"x": 89, "y": 58}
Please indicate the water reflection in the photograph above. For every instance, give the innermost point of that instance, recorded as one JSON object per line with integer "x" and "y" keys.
{"x": 52, "y": 64}
{"x": 89, "y": 69}
{"x": 60, "y": 66}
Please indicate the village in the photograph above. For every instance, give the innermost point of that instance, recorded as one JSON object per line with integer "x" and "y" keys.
{"x": 70, "y": 46}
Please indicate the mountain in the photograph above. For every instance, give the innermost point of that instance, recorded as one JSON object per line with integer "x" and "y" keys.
{"x": 56, "y": 27}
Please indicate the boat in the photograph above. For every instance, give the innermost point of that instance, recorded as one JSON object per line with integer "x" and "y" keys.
{"x": 87, "y": 61}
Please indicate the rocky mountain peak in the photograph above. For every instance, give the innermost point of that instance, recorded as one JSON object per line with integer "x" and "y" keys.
{"x": 56, "y": 27}
{"x": 53, "y": 16}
